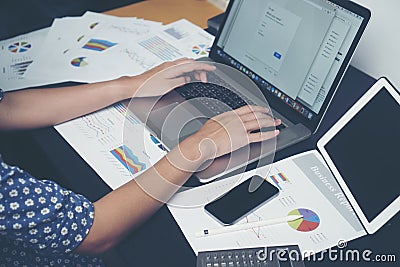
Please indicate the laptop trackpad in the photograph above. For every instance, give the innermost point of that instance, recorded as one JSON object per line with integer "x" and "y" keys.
{"x": 174, "y": 122}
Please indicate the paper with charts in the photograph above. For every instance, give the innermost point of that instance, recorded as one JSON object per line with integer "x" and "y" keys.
{"x": 98, "y": 138}
{"x": 306, "y": 187}
{"x": 17, "y": 54}
{"x": 98, "y": 47}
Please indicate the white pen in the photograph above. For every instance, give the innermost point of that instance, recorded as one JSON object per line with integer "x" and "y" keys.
{"x": 246, "y": 226}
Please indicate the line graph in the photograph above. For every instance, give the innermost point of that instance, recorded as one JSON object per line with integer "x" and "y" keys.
{"x": 97, "y": 125}
{"x": 139, "y": 60}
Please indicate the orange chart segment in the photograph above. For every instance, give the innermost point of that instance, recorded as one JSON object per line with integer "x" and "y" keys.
{"x": 309, "y": 222}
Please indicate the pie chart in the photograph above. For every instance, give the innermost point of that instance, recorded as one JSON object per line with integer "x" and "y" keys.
{"x": 309, "y": 222}
{"x": 201, "y": 49}
{"x": 79, "y": 62}
{"x": 19, "y": 47}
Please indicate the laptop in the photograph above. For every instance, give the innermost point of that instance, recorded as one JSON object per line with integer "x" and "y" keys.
{"x": 363, "y": 155}
{"x": 294, "y": 53}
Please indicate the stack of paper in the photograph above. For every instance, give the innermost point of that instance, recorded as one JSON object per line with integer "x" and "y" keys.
{"x": 96, "y": 47}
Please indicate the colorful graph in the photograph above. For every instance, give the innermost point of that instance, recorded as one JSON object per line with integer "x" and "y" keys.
{"x": 124, "y": 155}
{"x": 79, "y": 62}
{"x": 309, "y": 222}
{"x": 19, "y": 47}
{"x": 98, "y": 45}
{"x": 278, "y": 179}
{"x": 201, "y": 49}
{"x": 19, "y": 69}
{"x": 155, "y": 141}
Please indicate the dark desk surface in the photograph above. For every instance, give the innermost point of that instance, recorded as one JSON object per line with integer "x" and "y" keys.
{"x": 160, "y": 241}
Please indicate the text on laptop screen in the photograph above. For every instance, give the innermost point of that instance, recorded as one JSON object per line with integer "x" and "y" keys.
{"x": 365, "y": 152}
{"x": 291, "y": 48}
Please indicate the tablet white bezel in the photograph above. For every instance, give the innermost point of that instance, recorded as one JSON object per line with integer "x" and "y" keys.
{"x": 394, "y": 207}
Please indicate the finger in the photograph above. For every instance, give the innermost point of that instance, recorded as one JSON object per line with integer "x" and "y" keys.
{"x": 255, "y": 116}
{"x": 262, "y": 136}
{"x": 169, "y": 64}
{"x": 185, "y": 67}
{"x": 184, "y": 60}
{"x": 250, "y": 108}
{"x": 197, "y": 76}
{"x": 241, "y": 112}
{"x": 203, "y": 76}
{"x": 258, "y": 124}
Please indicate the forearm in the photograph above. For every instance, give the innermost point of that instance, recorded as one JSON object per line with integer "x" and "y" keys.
{"x": 127, "y": 207}
{"x": 43, "y": 107}
{"x": 32, "y": 108}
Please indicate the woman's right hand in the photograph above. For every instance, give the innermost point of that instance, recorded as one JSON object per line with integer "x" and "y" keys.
{"x": 232, "y": 130}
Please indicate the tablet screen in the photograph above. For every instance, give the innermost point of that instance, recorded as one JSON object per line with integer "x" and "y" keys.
{"x": 366, "y": 153}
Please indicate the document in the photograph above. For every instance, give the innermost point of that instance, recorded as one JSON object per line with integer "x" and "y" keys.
{"x": 306, "y": 188}
{"x": 324, "y": 60}
{"x": 16, "y": 56}
{"x": 99, "y": 140}
{"x": 283, "y": 25}
{"x": 98, "y": 47}
{"x": 85, "y": 49}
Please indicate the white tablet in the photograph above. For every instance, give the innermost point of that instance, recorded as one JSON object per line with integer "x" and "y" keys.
{"x": 362, "y": 150}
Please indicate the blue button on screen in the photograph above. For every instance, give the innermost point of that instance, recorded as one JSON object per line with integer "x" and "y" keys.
{"x": 277, "y": 55}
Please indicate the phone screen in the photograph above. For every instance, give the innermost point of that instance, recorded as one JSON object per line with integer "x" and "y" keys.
{"x": 238, "y": 202}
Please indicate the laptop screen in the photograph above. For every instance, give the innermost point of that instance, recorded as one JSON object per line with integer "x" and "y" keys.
{"x": 365, "y": 152}
{"x": 295, "y": 50}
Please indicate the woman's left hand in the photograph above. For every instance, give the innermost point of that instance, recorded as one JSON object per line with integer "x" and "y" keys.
{"x": 169, "y": 75}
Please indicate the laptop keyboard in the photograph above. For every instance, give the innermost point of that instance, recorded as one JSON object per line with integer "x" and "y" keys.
{"x": 251, "y": 257}
{"x": 210, "y": 95}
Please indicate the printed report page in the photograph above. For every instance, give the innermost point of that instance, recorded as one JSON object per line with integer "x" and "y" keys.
{"x": 306, "y": 187}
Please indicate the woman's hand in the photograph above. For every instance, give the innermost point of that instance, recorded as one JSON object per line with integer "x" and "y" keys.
{"x": 232, "y": 130}
{"x": 169, "y": 75}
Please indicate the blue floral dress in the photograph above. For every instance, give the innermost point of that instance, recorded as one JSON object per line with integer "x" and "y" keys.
{"x": 41, "y": 223}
